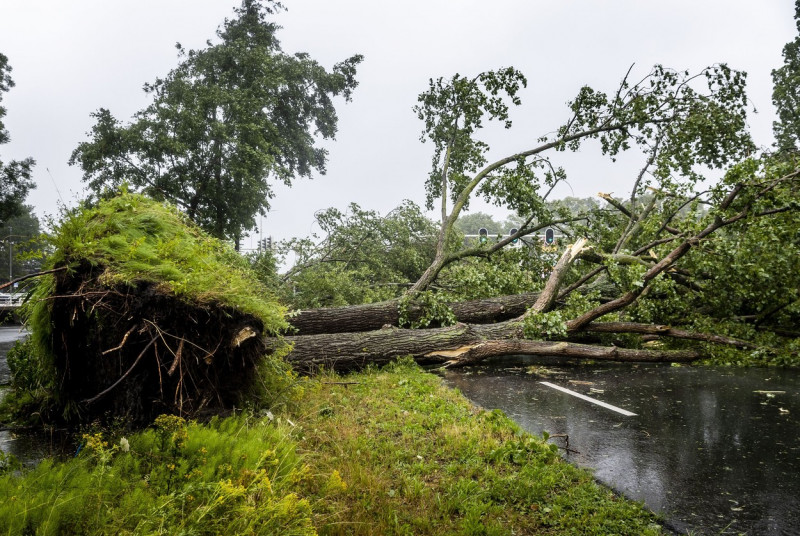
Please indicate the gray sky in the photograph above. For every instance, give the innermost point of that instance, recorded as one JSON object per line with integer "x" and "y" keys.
{"x": 70, "y": 58}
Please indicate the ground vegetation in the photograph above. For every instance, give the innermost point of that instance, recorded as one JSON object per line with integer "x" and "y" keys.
{"x": 388, "y": 451}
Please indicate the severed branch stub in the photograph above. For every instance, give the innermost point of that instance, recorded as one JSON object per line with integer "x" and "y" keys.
{"x": 548, "y": 296}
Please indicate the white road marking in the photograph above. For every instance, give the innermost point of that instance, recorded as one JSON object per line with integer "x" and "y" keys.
{"x": 589, "y": 399}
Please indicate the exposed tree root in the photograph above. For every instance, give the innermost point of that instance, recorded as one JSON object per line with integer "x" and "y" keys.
{"x": 137, "y": 352}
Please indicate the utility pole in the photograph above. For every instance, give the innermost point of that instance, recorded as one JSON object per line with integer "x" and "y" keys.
{"x": 10, "y": 257}
{"x": 10, "y": 244}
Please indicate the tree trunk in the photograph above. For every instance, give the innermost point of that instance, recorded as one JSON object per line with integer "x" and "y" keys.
{"x": 373, "y": 316}
{"x": 453, "y": 346}
{"x": 353, "y": 350}
{"x": 548, "y": 296}
{"x": 465, "y": 344}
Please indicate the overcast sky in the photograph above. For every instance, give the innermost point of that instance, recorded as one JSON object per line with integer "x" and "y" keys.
{"x": 70, "y": 58}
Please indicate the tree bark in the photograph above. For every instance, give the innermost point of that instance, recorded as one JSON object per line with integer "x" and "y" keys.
{"x": 353, "y": 350}
{"x": 373, "y": 316}
{"x": 666, "y": 331}
{"x": 453, "y": 346}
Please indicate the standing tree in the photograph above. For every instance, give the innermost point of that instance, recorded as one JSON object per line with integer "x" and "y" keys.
{"x": 21, "y": 245}
{"x": 362, "y": 256}
{"x": 226, "y": 122}
{"x": 474, "y": 221}
{"x": 15, "y": 177}
{"x": 786, "y": 93}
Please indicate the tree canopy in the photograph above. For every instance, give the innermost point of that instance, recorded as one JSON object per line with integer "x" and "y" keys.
{"x": 679, "y": 120}
{"x": 21, "y": 245}
{"x": 230, "y": 120}
{"x": 786, "y": 95}
{"x": 473, "y": 222}
{"x": 358, "y": 257}
{"x": 15, "y": 177}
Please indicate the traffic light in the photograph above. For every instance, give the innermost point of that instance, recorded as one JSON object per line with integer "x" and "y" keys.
{"x": 483, "y": 235}
{"x": 549, "y": 236}
{"x": 511, "y": 233}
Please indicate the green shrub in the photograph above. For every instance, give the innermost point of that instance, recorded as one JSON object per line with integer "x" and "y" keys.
{"x": 132, "y": 239}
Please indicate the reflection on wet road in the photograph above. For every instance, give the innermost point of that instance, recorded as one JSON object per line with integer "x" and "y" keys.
{"x": 716, "y": 450}
{"x": 8, "y": 336}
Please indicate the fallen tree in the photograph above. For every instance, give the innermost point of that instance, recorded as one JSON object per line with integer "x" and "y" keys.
{"x": 464, "y": 344}
{"x": 639, "y": 267}
{"x": 452, "y": 346}
{"x": 469, "y": 342}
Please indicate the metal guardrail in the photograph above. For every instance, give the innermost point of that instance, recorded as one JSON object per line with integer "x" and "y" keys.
{"x": 11, "y": 300}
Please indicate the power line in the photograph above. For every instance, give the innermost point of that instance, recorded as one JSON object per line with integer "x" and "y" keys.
{"x": 55, "y": 186}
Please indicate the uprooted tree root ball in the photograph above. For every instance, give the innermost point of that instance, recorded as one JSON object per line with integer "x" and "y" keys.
{"x": 144, "y": 314}
{"x": 137, "y": 352}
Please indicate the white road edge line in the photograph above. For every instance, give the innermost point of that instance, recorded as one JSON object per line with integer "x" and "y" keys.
{"x": 589, "y": 399}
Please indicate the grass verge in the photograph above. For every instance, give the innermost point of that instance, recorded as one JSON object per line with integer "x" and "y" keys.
{"x": 385, "y": 452}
